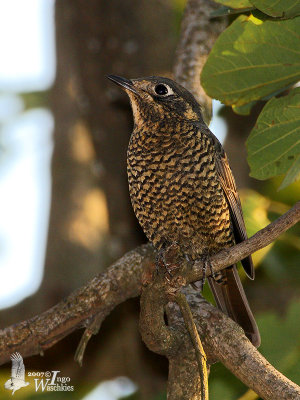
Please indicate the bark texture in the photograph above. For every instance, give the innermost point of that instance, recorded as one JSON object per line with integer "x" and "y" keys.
{"x": 198, "y": 34}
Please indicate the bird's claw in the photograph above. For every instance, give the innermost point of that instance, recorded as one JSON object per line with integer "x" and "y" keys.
{"x": 168, "y": 260}
{"x": 206, "y": 264}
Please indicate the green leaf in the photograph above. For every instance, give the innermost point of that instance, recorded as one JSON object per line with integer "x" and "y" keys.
{"x": 274, "y": 142}
{"x": 235, "y": 3}
{"x": 252, "y": 59}
{"x": 245, "y": 109}
{"x": 292, "y": 175}
{"x": 278, "y": 8}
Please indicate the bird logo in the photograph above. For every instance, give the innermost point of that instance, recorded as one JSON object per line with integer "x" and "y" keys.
{"x": 17, "y": 380}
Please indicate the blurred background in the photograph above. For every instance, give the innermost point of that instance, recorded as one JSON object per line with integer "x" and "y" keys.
{"x": 65, "y": 212}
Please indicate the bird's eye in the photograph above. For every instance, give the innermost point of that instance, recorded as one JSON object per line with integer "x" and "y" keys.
{"x": 161, "y": 89}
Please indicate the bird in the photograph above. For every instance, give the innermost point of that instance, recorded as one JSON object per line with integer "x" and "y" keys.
{"x": 182, "y": 188}
{"x": 17, "y": 380}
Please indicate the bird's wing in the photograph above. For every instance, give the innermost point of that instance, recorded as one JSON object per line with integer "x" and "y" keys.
{"x": 18, "y": 368}
{"x": 232, "y": 196}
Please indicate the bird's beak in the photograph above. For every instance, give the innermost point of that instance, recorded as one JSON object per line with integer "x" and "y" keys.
{"x": 123, "y": 82}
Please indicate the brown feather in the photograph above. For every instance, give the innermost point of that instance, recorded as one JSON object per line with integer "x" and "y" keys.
{"x": 231, "y": 299}
{"x": 232, "y": 196}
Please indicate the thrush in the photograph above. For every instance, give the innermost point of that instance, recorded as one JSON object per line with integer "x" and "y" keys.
{"x": 181, "y": 186}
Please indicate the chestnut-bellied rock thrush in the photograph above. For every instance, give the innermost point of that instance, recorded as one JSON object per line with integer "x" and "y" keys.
{"x": 182, "y": 188}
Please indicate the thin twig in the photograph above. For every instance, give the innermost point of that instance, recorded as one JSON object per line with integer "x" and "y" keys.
{"x": 200, "y": 354}
{"x": 92, "y": 329}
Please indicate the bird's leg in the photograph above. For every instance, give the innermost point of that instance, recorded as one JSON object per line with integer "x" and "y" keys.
{"x": 205, "y": 265}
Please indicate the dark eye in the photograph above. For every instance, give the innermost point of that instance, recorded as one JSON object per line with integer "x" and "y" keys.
{"x": 161, "y": 89}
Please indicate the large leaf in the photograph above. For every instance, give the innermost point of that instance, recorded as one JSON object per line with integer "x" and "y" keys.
{"x": 293, "y": 173}
{"x": 244, "y": 109}
{"x": 274, "y": 143}
{"x": 252, "y": 59}
{"x": 235, "y": 3}
{"x": 278, "y": 8}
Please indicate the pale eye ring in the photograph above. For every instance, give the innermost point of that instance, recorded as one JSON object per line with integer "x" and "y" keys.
{"x": 161, "y": 89}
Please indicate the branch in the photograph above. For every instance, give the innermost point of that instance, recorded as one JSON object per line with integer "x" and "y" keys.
{"x": 198, "y": 34}
{"x": 192, "y": 329}
{"x": 226, "y": 340}
{"x": 158, "y": 337}
{"x": 121, "y": 281}
{"x": 221, "y": 336}
{"x": 184, "y": 381}
{"x": 238, "y": 252}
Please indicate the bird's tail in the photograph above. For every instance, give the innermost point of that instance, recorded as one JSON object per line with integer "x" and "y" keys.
{"x": 231, "y": 299}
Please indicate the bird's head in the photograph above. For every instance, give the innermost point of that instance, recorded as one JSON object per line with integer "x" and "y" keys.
{"x": 154, "y": 99}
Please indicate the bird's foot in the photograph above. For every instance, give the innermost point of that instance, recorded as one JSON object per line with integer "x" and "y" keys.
{"x": 169, "y": 260}
{"x": 206, "y": 264}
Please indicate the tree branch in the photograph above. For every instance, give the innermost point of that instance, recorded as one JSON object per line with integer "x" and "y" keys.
{"x": 158, "y": 337}
{"x": 227, "y": 341}
{"x": 101, "y": 295}
{"x": 168, "y": 340}
{"x": 198, "y": 34}
{"x": 222, "y": 338}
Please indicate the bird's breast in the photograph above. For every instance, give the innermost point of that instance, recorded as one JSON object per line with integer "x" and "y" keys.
{"x": 176, "y": 195}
